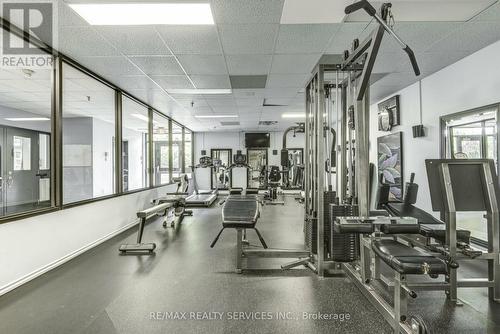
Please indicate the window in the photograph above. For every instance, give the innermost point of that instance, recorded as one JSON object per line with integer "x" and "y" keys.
{"x": 88, "y": 137}
{"x": 22, "y": 153}
{"x": 176, "y": 149}
{"x": 43, "y": 151}
{"x": 25, "y": 113}
{"x": 471, "y": 135}
{"x": 135, "y": 122}
{"x": 188, "y": 152}
{"x": 161, "y": 149}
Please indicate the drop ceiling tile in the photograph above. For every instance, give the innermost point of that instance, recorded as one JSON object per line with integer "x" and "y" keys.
{"x": 184, "y": 39}
{"x": 304, "y": 38}
{"x": 84, "y": 41}
{"x": 203, "y": 64}
{"x": 277, "y": 102}
{"x": 430, "y": 62}
{"x": 248, "y": 64}
{"x": 245, "y": 11}
{"x": 344, "y": 36}
{"x": 211, "y": 81}
{"x": 172, "y": 81}
{"x": 158, "y": 65}
{"x": 135, "y": 40}
{"x": 140, "y": 82}
{"x": 420, "y": 36}
{"x": 248, "y": 81}
{"x": 221, "y": 102}
{"x": 248, "y": 93}
{"x": 248, "y": 38}
{"x": 110, "y": 67}
{"x": 296, "y": 63}
{"x": 68, "y": 17}
{"x": 283, "y": 92}
{"x": 490, "y": 14}
{"x": 470, "y": 36}
{"x": 249, "y": 102}
{"x": 287, "y": 80}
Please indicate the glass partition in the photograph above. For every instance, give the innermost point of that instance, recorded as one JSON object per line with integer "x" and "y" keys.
{"x": 161, "y": 150}
{"x": 135, "y": 122}
{"x": 177, "y": 149}
{"x": 25, "y": 131}
{"x": 88, "y": 137}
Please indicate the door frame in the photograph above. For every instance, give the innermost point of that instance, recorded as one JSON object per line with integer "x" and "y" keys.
{"x": 248, "y": 161}
{"x": 212, "y": 150}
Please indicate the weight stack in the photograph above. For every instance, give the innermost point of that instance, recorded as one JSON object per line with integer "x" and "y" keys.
{"x": 308, "y": 233}
{"x": 329, "y": 198}
{"x": 344, "y": 246}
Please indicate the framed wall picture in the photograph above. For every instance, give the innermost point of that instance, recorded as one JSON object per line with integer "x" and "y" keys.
{"x": 390, "y": 163}
{"x": 388, "y": 114}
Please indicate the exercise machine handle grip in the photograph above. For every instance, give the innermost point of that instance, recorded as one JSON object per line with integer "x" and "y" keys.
{"x": 413, "y": 60}
{"x": 362, "y": 4}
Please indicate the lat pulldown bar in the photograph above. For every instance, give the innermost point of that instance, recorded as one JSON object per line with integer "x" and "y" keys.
{"x": 364, "y": 4}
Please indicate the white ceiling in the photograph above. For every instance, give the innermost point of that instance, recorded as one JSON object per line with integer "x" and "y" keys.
{"x": 247, "y": 39}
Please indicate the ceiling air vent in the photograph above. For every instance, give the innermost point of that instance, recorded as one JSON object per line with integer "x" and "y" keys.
{"x": 229, "y": 123}
{"x": 248, "y": 81}
{"x": 268, "y": 123}
{"x": 266, "y": 103}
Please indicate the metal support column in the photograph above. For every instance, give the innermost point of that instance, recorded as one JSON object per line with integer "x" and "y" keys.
{"x": 320, "y": 167}
{"x": 118, "y": 143}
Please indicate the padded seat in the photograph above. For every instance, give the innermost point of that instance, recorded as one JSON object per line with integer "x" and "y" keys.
{"x": 407, "y": 260}
{"x": 240, "y": 212}
{"x": 439, "y": 233}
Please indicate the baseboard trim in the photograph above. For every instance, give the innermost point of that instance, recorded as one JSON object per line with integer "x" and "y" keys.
{"x": 25, "y": 279}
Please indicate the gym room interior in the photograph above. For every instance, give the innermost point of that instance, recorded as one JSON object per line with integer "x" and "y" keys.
{"x": 249, "y": 166}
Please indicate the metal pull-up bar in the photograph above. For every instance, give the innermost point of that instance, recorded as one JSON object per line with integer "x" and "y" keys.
{"x": 364, "y": 4}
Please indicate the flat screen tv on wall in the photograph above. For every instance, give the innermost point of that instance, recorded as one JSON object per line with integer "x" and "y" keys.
{"x": 257, "y": 140}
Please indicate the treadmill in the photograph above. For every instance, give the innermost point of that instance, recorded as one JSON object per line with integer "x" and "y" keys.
{"x": 201, "y": 198}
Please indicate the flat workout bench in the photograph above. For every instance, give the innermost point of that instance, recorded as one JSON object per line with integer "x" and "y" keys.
{"x": 143, "y": 216}
{"x": 240, "y": 212}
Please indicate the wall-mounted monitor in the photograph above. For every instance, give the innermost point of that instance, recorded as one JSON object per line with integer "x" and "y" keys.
{"x": 257, "y": 140}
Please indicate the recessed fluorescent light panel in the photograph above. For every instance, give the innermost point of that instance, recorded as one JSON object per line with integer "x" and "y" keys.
{"x": 216, "y": 116}
{"x": 293, "y": 115}
{"x": 200, "y": 91}
{"x": 115, "y": 14}
{"x": 27, "y": 119}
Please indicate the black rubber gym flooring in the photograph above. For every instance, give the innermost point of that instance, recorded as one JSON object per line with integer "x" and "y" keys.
{"x": 186, "y": 287}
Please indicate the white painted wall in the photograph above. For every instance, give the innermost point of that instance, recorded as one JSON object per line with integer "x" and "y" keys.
{"x": 236, "y": 141}
{"x": 136, "y": 158}
{"x": 32, "y": 246}
{"x": 469, "y": 83}
{"x": 102, "y": 157}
